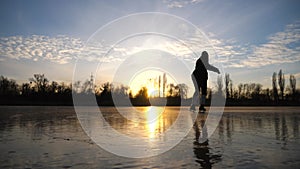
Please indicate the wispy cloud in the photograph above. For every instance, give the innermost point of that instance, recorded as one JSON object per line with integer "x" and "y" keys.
{"x": 229, "y": 52}
{"x": 297, "y": 75}
{"x": 180, "y": 3}
{"x": 281, "y": 47}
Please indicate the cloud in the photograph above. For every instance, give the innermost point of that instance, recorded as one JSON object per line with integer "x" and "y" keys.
{"x": 180, "y": 3}
{"x": 281, "y": 47}
{"x": 229, "y": 52}
{"x": 64, "y": 49}
{"x": 297, "y": 75}
{"x": 60, "y": 49}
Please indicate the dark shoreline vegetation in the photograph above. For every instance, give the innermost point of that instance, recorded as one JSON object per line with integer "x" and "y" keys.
{"x": 39, "y": 91}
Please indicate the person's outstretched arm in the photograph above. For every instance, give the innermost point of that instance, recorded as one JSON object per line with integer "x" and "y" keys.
{"x": 212, "y": 68}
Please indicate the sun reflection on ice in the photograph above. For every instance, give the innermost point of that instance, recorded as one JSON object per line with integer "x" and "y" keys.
{"x": 153, "y": 117}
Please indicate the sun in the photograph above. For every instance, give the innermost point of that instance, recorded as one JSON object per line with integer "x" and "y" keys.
{"x": 151, "y": 91}
{"x": 154, "y": 80}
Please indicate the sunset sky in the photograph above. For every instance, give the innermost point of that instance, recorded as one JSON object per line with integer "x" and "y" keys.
{"x": 253, "y": 38}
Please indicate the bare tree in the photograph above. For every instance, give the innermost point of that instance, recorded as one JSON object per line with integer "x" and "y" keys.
{"x": 164, "y": 83}
{"x": 121, "y": 91}
{"x": 246, "y": 90}
{"x": 63, "y": 88}
{"x": 227, "y": 80}
{"x": 172, "y": 91}
{"x": 256, "y": 91}
{"x": 142, "y": 94}
{"x": 77, "y": 87}
{"x": 274, "y": 84}
{"x": 53, "y": 87}
{"x": 40, "y": 82}
{"x": 231, "y": 88}
{"x": 8, "y": 86}
{"x": 219, "y": 85}
{"x": 26, "y": 90}
{"x": 266, "y": 94}
{"x": 86, "y": 87}
{"x": 183, "y": 89}
{"x": 240, "y": 89}
{"x": 281, "y": 83}
{"x": 293, "y": 85}
{"x": 106, "y": 90}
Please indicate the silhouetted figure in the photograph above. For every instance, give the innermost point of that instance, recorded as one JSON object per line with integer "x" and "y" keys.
{"x": 200, "y": 77}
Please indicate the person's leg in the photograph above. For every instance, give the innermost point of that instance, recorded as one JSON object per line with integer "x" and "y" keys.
{"x": 195, "y": 99}
{"x": 203, "y": 95}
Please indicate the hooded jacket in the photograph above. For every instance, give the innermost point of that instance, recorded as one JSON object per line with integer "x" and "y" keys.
{"x": 202, "y": 65}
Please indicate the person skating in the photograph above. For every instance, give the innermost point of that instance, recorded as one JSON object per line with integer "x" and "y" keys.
{"x": 200, "y": 77}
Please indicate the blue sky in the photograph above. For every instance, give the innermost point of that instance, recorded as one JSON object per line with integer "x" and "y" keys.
{"x": 253, "y": 38}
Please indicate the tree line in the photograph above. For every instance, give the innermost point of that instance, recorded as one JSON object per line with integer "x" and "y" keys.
{"x": 41, "y": 91}
{"x": 254, "y": 93}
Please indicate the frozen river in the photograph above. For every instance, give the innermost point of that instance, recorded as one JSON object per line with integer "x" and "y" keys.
{"x": 246, "y": 137}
